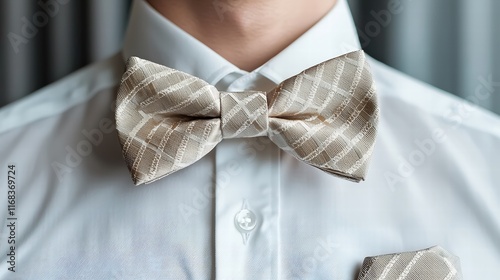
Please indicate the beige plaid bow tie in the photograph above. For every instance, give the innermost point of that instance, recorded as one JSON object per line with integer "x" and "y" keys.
{"x": 325, "y": 116}
{"x": 433, "y": 263}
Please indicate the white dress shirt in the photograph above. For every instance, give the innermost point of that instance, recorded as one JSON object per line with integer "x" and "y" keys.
{"x": 247, "y": 210}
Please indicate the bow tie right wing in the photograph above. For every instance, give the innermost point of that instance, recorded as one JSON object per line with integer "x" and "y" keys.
{"x": 326, "y": 116}
{"x": 166, "y": 119}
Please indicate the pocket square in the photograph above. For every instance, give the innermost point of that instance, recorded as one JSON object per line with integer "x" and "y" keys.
{"x": 433, "y": 263}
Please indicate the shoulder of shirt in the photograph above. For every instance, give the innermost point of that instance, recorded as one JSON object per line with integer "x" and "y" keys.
{"x": 58, "y": 97}
{"x": 430, "y": 100}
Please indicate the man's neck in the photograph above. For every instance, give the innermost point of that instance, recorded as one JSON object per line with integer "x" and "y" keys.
{"x": 245, "y": 32}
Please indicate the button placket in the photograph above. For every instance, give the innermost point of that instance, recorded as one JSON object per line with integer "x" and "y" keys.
{"x": 247, "y": 209}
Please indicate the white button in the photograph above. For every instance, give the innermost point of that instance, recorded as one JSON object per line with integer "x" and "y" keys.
{"x": 245, "y": 220}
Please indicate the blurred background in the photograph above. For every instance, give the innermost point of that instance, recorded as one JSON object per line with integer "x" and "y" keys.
{"x": 447, "y": 43}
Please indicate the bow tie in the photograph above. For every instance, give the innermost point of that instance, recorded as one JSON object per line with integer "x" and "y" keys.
{"x": 325, "y": 116}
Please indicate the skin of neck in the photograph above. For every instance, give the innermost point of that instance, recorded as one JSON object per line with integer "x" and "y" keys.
{"x": 247, "y": 33}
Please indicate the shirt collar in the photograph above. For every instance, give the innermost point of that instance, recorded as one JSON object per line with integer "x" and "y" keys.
{"x": 153, "y": 37}
{"x": 335, "y": 34}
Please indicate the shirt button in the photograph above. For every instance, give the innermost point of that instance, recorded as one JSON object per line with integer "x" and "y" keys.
{"x": 245, "y": 220}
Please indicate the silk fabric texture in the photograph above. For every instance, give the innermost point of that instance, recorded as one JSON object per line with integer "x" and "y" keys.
{"x": 325, "y": 116}
{"x": 433, "y": 263}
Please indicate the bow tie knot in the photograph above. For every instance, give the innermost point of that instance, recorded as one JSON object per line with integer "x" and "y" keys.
{"x": 243, "y": 114}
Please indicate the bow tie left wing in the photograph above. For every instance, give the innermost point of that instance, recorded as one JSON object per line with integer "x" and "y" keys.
{"x": 166, "y": 119}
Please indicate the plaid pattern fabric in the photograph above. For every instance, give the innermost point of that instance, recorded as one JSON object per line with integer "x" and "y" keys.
{"x": 433, "y": 263}
{"x": 325, "y": 116}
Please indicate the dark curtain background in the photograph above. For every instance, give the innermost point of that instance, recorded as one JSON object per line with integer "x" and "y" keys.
{"x": 450, "y": 44}
{"x": 67, "y": 35}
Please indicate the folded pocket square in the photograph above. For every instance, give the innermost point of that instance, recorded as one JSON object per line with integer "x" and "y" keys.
{"x": 429, "y": 264}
